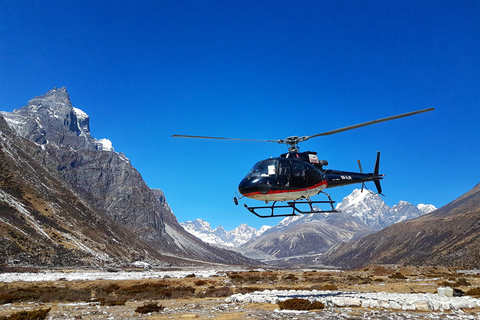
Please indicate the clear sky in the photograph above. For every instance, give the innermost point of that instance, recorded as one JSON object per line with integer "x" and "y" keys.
{"x": 144, "y": 70}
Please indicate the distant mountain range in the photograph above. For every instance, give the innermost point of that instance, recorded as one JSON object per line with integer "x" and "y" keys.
{"x": 68, "y": 199}
{"x": 361, "y": 213}
{"x": 219, "y": 236}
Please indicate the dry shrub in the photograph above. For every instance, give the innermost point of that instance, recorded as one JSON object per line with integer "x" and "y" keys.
{"x": 473, "y": 292}
{"x": 290, "y": 277}
{"x": 329, "y": 287}
{"x": 244, "y": 290}
{"x": 397, "y": 276}
{"x": 27, "y": 315}
{"x": 111, "y": 288}
{"x": 462, "y": 282}
{"x": 111, "y": 302}
{"x": 323, "y": 279}
{"x": 300, "y": 304}
{"x": 218, "y": 292}
{"x": 445, "y": 284}
{"x": 199, "y": 283}
{"x": 143, "y": 287}
{"x": 269, "y": 276}
{"x": 380, "y": 271}
{"x": 7, "y": 298}
{"x": 252, "y": 277}
{"x": 149, "y": 307}
{"x": 325, "y": 287}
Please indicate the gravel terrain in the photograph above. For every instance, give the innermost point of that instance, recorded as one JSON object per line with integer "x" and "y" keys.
{"x": 219, "y": 309}
{"x": 355, "y": 298}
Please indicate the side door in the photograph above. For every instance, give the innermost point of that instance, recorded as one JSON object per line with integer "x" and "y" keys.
{"x": 283, "y": 175}
{"x": 299, "y": 179}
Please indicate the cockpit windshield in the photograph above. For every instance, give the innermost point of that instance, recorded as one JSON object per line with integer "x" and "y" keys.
{"x": 264, "y": 168}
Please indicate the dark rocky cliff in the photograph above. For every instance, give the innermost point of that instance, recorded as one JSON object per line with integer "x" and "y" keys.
{"x": 105, "y": 179}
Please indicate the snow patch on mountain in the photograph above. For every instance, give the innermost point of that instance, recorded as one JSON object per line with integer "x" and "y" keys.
{"x": 104, "y": 144}
{"x": 426, "y": 208}
{"x": 370, "y": 208}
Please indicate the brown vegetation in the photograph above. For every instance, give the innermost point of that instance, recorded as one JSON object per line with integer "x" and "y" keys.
{"x": 28, "y": 315}
{"x": 149, "y": 307}
{"x": 175, "y": 293}
{"x": 300, "y": 304}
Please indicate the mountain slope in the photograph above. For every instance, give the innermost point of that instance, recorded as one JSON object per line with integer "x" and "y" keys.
{"x": 105, "y": 180}
{"x": 44, "y": 222}
{"x": 313, "y": 235}
{"x": 449, "y": 236}
{"x": 361, "y": 213}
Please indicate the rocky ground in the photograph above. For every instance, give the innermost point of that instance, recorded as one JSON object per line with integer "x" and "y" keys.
{"x": 218, "y": 309}
{"x": 378, "y": 292}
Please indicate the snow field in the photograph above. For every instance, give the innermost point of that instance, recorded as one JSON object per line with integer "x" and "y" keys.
{"x": 104, "y": 275}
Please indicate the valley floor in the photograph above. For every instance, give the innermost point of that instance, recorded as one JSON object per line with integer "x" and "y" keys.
{"x": 247, "y": 294}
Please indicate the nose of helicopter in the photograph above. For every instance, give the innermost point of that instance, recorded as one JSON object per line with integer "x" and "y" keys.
{"x": 246, "y": 186}
{"x": 253, "y": 186}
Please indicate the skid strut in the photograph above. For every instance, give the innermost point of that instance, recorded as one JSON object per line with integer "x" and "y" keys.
{"x": 294, "y": 205}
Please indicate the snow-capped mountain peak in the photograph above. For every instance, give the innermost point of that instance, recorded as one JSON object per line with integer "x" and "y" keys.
{"x": 426, "y": 208}
{"x": 371, "y": 209}
{"x": 219, "y": 236}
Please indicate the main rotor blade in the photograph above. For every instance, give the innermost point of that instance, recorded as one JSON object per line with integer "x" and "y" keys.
{"x": 371, "y": 122}
{"x": 220, "y": 138}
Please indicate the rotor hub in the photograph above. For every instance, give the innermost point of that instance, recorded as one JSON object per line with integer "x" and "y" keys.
{"x": 293, "y": 142}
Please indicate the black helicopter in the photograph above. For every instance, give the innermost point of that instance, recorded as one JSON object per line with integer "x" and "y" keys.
{"x": 296, "y": 176}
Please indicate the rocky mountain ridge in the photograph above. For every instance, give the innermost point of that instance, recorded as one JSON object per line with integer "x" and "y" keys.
{"x": 361, "y": 213}
{"x": 449, "y": 236}
{"x": 51, "y": 134}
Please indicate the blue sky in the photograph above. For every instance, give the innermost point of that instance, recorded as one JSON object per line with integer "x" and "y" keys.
{"x": 144, "y": 70}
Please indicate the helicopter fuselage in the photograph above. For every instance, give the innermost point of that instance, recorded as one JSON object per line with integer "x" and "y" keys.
{"x": 295, "y": 176}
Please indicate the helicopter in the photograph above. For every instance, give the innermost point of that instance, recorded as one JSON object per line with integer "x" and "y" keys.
{"x": 294, "y": 177}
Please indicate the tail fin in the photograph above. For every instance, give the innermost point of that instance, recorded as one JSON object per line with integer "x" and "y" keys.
{"x": 376, "y": 173}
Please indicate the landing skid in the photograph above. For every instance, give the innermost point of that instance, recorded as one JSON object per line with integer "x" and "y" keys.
{"x": 294, "y": 205}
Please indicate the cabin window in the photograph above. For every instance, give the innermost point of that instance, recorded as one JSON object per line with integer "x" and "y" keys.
{"x": 298, "y": 169}
{"x": 264, "y": 168}
{"x": 284, "y": 168}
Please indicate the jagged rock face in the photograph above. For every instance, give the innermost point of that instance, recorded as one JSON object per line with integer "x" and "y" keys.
{"x": 107, "y": 178}
{"x": 44, "y": 222}
{"x": 449, "y": 236}
{"x": 51, "y": 118}
{"x": 103, "y": 177}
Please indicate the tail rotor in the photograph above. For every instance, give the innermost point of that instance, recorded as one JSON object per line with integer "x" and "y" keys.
{"x": 377, "y": 175}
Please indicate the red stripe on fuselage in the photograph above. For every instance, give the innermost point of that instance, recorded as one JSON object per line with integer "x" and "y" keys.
{"x": 324, "y": 182}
